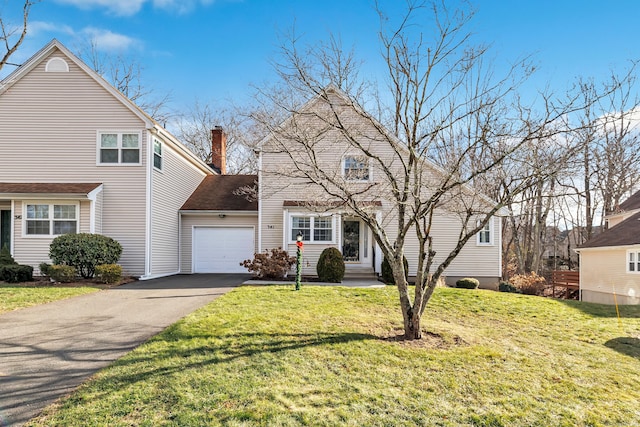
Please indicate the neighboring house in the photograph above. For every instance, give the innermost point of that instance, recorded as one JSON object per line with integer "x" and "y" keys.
{"x": 78, "y": 156}
{"x": 610, "y": 261}
{"x": 289, "y": 204}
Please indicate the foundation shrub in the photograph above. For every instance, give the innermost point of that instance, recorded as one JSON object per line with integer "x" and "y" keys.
{"x": 109, "y": 273}
{"x": 330, "y": 267}
{"x": 84, "y": 251}
{"x": 467, "y": 283}
{"x": 271, "y": 264}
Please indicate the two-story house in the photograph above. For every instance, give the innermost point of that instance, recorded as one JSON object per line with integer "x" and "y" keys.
{"x": 78, "y": 156}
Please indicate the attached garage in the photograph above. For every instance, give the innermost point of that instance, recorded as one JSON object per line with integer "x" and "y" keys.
{"x": 222, "y": 249}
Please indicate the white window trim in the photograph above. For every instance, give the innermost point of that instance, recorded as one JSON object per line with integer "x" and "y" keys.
{"x": 154, "y": 154}
{"x": 491, "y": 235}
{"x": 636, "y": 253}
{"x": 342, "y": 165}
{"x": 51, "y": 209}
{"x": 119, "y": 133}
{"x": 289, "y": 229}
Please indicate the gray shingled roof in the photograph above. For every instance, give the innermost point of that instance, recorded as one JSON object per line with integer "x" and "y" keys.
{"x": 216, "y": 193}
{"x": 623, "y": 234}
{"x": 633, "y": 202}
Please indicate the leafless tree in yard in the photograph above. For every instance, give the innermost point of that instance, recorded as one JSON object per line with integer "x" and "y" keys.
{"x": 11, "y": 35}
{"x": 449, "y": 124}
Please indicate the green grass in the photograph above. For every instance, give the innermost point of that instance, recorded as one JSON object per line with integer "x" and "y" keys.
{"x": 327, "y": 356}
{"x": 16, "y": 297}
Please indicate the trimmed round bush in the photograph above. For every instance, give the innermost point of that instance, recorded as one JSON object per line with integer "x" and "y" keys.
{"x": 507, "y": 287}
{"x": 62, "y": 273}
{"x": 387, "y": 273}
{"x": 14, "y": 273}
{"x": 330, "y": 267}
{"x": 84, "y": 251}
{"x": 468, "y": 283}
{"x": 109, "y": 273}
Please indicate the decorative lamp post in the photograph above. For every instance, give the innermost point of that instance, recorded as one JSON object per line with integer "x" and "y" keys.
{"x": 299, "y": 244}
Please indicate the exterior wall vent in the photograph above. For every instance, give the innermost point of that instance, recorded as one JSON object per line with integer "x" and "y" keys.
{"x": 57, "y": 65}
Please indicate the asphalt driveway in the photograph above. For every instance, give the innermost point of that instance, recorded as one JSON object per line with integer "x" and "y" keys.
{"x": 48, "y": 350}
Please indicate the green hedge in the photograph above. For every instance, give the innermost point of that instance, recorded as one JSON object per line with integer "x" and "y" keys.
{"x": 15, "y": 273}
{"x": 109, "y": 273}
{"x": 468, "y": 283}
{"x": 387, "y": 273}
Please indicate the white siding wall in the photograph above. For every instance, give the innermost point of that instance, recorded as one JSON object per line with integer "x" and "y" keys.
{"x": 49, "y": 125}
{"x": 474, "y": 260}
{"x": 191, "y": 220}
{"x": 171, "y": 187}
{"x": 603, "y": 272}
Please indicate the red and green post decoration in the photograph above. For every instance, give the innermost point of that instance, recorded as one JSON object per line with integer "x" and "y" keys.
{"x": 300, "y": 246}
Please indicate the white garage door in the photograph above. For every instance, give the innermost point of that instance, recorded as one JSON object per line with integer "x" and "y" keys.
{"x": 221, "y": 250}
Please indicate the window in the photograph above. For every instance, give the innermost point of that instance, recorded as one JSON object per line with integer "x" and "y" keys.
{"x": 313, "y": 228}
{"x": 355, "y": 168}
{"x": 50, "y": 219}
{"x": 119, "y": 148}
{"x": 633, "y": 261}
{"x": 157, "y": 154}
{"x": 484, "y": 235}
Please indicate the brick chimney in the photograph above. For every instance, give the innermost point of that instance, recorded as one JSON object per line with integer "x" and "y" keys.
{"x": 219, "y": 150}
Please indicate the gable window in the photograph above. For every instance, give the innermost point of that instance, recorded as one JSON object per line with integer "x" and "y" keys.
{"x": 157, "y": 154}
{"x": 119, "y": 148}
{"x": 633, "y": 261}
{"x": 355, "y": 168}
{"x": 484, "y": 236}
{"x": 318, "y": 229}
{"x": 51, "y": 219}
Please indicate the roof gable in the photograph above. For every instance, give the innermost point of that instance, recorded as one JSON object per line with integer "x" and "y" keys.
{"x": 50, "y": 48}
{"x": 632, "y": 203}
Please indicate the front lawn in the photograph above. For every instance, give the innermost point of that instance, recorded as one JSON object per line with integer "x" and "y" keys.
{"x": 328, "y": 356}
{"x": 13, "y": 297}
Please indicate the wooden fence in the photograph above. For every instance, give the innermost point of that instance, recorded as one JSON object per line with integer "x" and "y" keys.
{"x": 567, "y": 281}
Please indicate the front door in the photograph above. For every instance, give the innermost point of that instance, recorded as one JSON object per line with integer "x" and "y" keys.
{"x": 5, "y": 229}
{"x": 351, "y": 240}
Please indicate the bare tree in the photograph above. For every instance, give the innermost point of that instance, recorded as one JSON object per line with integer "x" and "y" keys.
{"x": 452, "y": 124}
{"x": 194, "y": 130}
{"x": 12, "y": 36}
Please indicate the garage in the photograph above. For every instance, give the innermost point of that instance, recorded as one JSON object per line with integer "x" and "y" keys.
{"x": 222, "y": 249}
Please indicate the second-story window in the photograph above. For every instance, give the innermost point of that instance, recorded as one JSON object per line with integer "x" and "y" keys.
{"x": 119, "y": 148}
{"x": 157, "y": 154}
{"x": 355, "y": 168}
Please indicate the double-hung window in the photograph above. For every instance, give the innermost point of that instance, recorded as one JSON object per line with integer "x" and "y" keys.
{"x": 119, "y": 148}
{"x": 318, "y": 229}
{"x": 355, "y": 168}
{"x": 51, "y": 219}
{"x": 157, "y": 154}
{"x": 633, "y": 261}
{"x": 484, "y": 235}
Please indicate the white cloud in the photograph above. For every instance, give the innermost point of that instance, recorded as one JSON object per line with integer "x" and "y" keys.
{"x": 131, "y": 7}
{"x": 106, "y": 40}
{"x": 38, "y": 27}
{"x": 117, "y": 7}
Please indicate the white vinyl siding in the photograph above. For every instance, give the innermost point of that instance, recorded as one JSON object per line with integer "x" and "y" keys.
{"x": 38, "y": 113}
{"x": 605, "y": 277}
{"x": 169, "y": 190}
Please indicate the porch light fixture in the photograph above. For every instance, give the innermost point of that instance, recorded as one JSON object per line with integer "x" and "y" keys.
{"x": 299, "y": 244}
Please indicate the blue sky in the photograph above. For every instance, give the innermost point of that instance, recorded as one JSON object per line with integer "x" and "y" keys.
{"x": 213, "y": 50}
